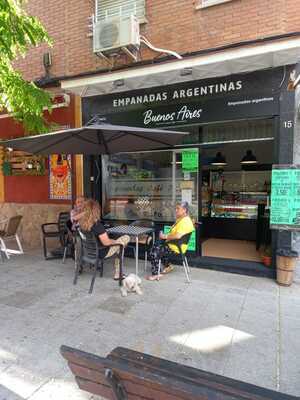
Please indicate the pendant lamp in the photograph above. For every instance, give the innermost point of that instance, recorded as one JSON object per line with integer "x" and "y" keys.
{"x": 219, "y": 160}
{"x": 249, "y": 158}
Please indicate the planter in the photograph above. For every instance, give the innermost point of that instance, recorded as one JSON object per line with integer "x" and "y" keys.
{"x": 267, "y": 261}
{"x": 286, "y": 263}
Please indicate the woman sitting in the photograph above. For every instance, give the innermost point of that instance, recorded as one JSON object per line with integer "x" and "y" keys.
{"x": 90, "y": 222}
{"x": 161, "y": 250}
{"x": 76, "y": 214}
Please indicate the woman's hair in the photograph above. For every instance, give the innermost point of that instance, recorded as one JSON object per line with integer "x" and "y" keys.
{"x": 91, "y": 214}
{"x": 185, "y": 206}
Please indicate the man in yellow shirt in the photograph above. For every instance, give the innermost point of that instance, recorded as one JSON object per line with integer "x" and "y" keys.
{"x": 162, "y": 250}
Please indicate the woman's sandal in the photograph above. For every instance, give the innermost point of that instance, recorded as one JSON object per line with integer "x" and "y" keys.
{"x": 167, "y": 269}
{"x": 154, "y": 277}
{"x": 116, "y": 278}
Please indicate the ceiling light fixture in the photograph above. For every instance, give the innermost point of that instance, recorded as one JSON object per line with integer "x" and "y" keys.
{"x": 249, "y": 158}
{"x": 219, "y": 160}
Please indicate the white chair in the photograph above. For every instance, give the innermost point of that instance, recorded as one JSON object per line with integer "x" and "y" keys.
{"x": 9, "y": 232}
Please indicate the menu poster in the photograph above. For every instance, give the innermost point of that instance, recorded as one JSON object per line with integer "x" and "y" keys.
{"x": 60, "y": 177}
{"x": 285, "y": 197}
{"x": 190, "y": 161}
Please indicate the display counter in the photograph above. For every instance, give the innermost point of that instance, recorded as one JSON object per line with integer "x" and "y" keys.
{"x": 232, "y": 215}
{"x": 241, "y": 205}
{"x": 228, "y": 228}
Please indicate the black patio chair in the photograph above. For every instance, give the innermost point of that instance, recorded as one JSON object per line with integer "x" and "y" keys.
{"x": 147, "y": 240}
{"x": 178, "y": 243}
{"x": 90, "y": 253}
{"x": 58, "y": 230}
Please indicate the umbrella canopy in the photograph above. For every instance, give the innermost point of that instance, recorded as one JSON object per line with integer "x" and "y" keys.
{"x": 96, "y": 139}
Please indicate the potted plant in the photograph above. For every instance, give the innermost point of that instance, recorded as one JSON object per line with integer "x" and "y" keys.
{"x": 6, "y": 163}
{"x": 267, "y": 256}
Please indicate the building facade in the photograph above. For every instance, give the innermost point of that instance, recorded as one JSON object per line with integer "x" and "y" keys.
{"x": 218, "y": 69}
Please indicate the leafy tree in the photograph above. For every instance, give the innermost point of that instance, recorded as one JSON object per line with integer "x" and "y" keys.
{"x": 22, "y": 99}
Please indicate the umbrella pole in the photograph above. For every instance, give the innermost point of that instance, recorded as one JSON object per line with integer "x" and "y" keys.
{"x": 73, "y": 182}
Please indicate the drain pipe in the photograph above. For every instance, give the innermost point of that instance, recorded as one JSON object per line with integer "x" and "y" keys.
{"x": 148, "y": 44}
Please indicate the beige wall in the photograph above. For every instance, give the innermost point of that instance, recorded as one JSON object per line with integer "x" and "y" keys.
{"x": 34, "y": 215}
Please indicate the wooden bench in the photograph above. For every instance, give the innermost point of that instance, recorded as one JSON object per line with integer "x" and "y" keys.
{"x": 128, "y": 375}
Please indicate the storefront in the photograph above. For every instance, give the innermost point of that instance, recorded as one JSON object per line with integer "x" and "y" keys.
{"x": 239, "y": 126}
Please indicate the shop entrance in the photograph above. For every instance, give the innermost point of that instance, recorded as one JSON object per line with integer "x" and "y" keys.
{"x": 235, "y": 198}
{"x": 224, "y": 173}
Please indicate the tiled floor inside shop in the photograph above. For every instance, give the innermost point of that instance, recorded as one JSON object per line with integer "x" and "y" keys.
{"x": 234, "y": 249}
{"x": 242, "y": 327}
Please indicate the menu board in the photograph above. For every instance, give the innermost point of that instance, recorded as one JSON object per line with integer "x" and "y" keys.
{"x": 190, "y": 160}
{"x": 285, "y": 197}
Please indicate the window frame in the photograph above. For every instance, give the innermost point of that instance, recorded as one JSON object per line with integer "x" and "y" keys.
{"x": 210, "y": 3}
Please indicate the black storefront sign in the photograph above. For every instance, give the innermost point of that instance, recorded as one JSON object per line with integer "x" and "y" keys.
{"x": 219, "y": 99}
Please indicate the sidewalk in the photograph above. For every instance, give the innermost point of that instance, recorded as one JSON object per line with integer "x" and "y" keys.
{"x": 238, "y": 326}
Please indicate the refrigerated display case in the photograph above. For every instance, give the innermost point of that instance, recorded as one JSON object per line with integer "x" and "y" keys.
{"x": 242, "y": 205}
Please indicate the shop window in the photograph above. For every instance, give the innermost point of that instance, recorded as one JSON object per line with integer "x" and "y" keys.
{"x": 147, "y": 186}
{"x": 120, "y": 8}
{"x": 209, "y": 3}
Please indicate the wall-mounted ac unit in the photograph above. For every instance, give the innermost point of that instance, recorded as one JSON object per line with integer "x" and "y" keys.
{"x": 114, "y": 33}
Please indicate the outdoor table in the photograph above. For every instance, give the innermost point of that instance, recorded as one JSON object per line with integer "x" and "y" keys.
{"x": 135, "y": 231}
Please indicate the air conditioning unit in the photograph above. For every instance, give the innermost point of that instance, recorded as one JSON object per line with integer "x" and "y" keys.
{"x": 114, "y": 33}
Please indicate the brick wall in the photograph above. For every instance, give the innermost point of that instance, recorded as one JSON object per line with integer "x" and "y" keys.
{"x": 174, "y": 24}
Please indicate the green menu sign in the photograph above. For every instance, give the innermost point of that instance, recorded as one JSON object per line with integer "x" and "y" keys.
{"x": 190, "y": 160}
{"x": 192, "y": 241}
{"x": 285, "y": 197}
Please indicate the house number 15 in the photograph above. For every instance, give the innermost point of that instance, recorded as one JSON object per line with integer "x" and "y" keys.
{"x": 288, "y": 124}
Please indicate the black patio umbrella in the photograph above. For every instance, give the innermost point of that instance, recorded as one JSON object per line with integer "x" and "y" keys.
{"x": 97, "y": 138}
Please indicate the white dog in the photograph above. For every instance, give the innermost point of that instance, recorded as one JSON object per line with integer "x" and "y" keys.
{"x": 131, "y": 284}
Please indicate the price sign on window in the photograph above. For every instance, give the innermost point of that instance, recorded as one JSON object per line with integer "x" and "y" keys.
{"x": 190, "y": 160}
{"x": 285, "y": 197}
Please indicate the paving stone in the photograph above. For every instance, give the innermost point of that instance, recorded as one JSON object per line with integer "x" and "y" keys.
{"x": 6, "y": 394}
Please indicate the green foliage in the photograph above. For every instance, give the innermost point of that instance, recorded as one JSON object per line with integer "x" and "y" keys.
{"x": 268, "y": 251}
{"x": 24, "y": 100}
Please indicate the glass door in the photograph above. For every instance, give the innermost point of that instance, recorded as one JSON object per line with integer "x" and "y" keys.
{"x": 185, "y": 184}
{"x": 185, "y": 179}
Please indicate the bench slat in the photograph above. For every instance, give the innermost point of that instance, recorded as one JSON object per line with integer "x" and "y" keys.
{"x": 133, "y": 387}
{"x": 89, "y": 374}
{"x": 95, "y": 388}
{"x": 245, "y": 390}
{"x": 165, "y": 384}
{"x": 146, "y": 377}
{"x": 202, "y": 386}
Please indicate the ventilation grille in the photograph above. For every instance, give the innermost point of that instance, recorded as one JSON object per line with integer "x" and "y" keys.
{"x": 106, "y": 9}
